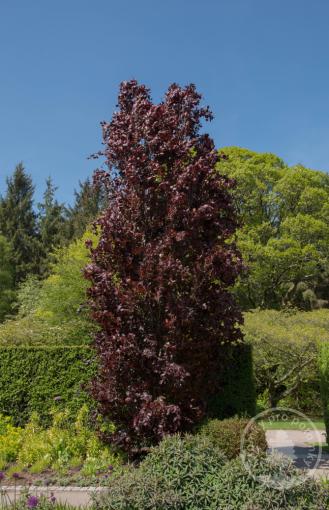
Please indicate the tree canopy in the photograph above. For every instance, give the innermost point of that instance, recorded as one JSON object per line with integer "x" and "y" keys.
{"x": 285, "y": 235}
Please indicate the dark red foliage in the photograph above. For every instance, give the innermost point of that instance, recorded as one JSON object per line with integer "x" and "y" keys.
{"x": 162, "y": 270}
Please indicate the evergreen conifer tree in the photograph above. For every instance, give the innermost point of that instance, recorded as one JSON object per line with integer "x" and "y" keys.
{"x": 90, "y": 200}
{"x": 51, "y": 222}
{"x": 18, "y": 224}
{"x": 7, "y": 293}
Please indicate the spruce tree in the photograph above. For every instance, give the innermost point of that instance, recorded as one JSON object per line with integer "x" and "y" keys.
{"x": 7, "y": 293}
{"x": 18, "y": 224}
{"x": 90, "y": 200}
{"x": 51, "y": 222}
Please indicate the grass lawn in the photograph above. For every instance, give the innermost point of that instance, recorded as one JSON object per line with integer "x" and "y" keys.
{"x": 291, "y": 425}
{"x": 325, "y": 447}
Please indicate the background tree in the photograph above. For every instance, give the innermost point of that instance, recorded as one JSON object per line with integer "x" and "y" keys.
{"x": 162, "y": 269}
{"x": 90, "y": 200}
{"x": 51, "y": 223}
{"x": 285, "y": 237}
{"x": 18, "y": 223}
{"x": 7, "y": 293}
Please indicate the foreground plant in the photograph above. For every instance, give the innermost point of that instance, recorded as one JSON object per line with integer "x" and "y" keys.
{"x": 163, "y": 266}
{"x": 193, "y": 473}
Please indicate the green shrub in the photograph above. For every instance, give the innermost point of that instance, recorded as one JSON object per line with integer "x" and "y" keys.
{"x": 37, "y": 379}
{"x": 237, "y": 396}
{"x": 324, "y": 382}
{"x": 171, "y": 476}
{"x": 54, "y": 311}
{"x": 227, "y": 434}
{"x": 191, "y": 473}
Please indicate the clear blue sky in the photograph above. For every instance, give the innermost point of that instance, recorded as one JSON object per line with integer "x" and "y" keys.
{"x": 262, "y": 66}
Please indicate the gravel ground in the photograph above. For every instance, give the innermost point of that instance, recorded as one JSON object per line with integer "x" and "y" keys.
{"x": 299, "y": 446}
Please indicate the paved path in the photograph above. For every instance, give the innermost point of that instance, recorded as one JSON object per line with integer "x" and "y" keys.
{"x": 297, "y": 444}
{"x": 76, "y": 496}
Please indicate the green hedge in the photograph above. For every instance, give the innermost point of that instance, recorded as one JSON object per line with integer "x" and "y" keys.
{"x": 324, "y": 382}
{"x": 41, "y": 378}
{"x": 238, "y": 395}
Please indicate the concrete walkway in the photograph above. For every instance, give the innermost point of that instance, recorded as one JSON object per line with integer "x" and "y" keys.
{"x": 76, "y": 496}
{"x": 297, "y": 444}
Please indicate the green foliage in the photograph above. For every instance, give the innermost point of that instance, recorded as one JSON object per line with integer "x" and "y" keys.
{"x": 35, "y": 379}
{"x": 18, "y": 223}
{"x": 237, "y": 396}
{"x": 65, "y": 444}
{"x": 191, "y": 473}
{"x": 324, "y": 382}
{"x": 7, "y": 293}
{"x": 54, "y": 311}
{"x": 285, "y": 235}
{"x": 285, "y": 350}
{"x": 227, "y": 434}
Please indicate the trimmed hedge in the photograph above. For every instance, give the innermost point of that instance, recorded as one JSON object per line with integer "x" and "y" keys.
{"x": 37, "y": 379}
{"x": 40, "y": 378}
{"x": 324, "y": 382}
{"x": 238, "y": 394}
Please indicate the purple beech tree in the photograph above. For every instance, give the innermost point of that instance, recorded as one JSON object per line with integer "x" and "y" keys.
{"x": 163, "y": 267}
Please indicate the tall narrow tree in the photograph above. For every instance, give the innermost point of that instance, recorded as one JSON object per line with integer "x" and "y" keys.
{"x": 18, "y": 223}
{"x": 163, "y": 267}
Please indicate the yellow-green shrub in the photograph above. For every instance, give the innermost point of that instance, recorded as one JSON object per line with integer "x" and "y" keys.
{"x": 10, "y": 441}
{"x": 61, "y": 446}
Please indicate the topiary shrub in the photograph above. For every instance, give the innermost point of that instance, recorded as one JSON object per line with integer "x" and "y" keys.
{"x": 191, "y": 473}
{"x": 227, "y": 434}
{"x": 163, "y": 269}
